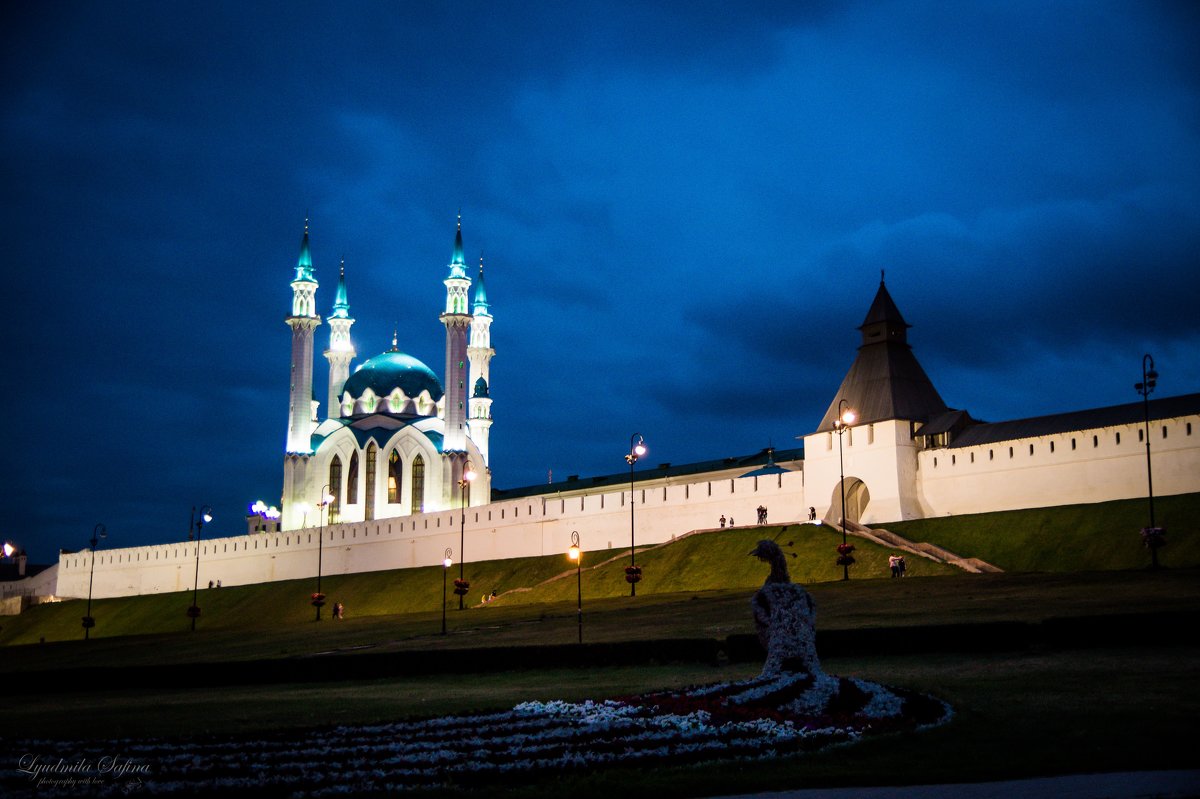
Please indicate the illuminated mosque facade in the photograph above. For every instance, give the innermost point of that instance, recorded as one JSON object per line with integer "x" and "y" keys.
{"x": 394, "y": 439}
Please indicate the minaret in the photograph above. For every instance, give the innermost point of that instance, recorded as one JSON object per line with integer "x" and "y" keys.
{"x": 480, "y": 353}
{"x": 457, "y": 319}
{"x": 341, "y": 350}
{"x": 303, "y": 321}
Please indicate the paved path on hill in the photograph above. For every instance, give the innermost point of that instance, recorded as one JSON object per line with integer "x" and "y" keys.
{"x": 1122, "y": 785}
{"x": 886, "y": 538}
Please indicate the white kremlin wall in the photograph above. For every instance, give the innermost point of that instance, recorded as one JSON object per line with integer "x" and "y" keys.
{"x": 903, "y": 481}
{"x": 1063, "y": 469}
{"x": 540, "y": 525}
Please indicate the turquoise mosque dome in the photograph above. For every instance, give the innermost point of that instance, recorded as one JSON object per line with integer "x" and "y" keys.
{"x": 390, "y": 370}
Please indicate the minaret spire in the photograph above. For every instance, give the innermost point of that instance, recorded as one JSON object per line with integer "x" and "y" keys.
{"x": 458, "y": 266}
{"x": 341, "y": 350}
{"x": 480, "y": 354}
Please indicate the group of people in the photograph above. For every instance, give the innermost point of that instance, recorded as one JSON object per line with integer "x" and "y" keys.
{"x": 896, "y": 562}
{"x": 762, "y": 517}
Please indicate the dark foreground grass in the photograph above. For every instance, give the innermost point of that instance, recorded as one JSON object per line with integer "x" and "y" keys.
{"x": 1019, "y": 714}
{"x": 1033, "y": 712}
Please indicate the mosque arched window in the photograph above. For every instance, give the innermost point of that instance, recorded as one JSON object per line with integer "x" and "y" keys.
{"x": 352, "y": 481}
{"x": 371, "y": 456}
{"x": 418, "y": 484}
{"x": 335, "y": 488}
{"x": 395, "y": 475}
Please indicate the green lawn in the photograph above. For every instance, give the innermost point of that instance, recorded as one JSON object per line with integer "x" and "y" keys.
{"x": 1069, "y": 538}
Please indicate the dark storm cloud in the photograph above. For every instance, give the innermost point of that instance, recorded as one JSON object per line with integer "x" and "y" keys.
{"x": 683, "y": 208}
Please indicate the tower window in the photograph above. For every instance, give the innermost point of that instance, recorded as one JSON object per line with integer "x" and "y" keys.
{"x": 1072, "y": 443}
{"x": 1010, "y": 452}
{"x": 1118, "y": 438}
{"x": 1031, "y": 449}
{"x": 1052, "y": 446}
{"x": 1142, "y": 433}
{"x": 1095, "y": 441}
{"x": 1164, "y": 431}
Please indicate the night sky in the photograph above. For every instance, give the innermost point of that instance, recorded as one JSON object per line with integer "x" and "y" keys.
{"x": 683, "y": 208}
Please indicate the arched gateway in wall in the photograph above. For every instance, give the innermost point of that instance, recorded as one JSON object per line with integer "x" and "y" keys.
{"x": 857, "y": 499}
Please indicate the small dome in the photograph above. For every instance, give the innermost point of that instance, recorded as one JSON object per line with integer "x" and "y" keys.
{"x": 390, "y": 370}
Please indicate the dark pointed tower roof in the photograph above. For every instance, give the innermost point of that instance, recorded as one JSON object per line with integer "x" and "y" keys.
{"x": 885, "y": 381}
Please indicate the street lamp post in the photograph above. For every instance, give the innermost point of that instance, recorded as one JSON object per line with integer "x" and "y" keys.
{"x": 1152, "y": 536}
{"x": 461, "y": 586}
{"x": 576, "y": 554}
{"x": 843, "y": 421}
{"x": 446, "y": 562}
{"x": 99, "y": 533}
{"x": 205, "y": 516}
{"x": 637, "y": 448}
{"x": 318, "y": 599}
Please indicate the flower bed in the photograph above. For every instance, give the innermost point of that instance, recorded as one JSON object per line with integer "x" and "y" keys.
{"x": 746, "y": 719}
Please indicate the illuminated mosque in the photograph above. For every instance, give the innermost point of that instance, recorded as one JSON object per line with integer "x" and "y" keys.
{"x": 395, "y": 439}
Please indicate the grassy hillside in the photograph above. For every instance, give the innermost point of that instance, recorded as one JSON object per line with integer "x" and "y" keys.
{"x": 1065, "y": 539}
{"x": 1102, "y": 536}
{"x": 707, "y": 562}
